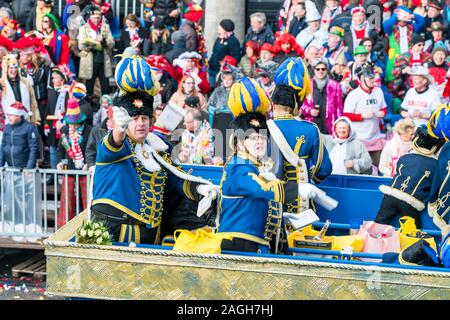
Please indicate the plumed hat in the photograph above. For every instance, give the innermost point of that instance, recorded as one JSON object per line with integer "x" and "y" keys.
{"x": 158, "y": 62}
{"x": 425, "y": 143}
{"x": 247, "y": 96}
{"x": 134, "y": 74}
{"x": 286, "y": 96}
{"x": 293, "y": 73}
{"x": 249, "y": 122}
{"x": 439, "y": 124}
{"x": 136, "y": 103}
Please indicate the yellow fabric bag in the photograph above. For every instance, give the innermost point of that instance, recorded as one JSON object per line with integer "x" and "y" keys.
{"x": 338, "y": 242}
{"x": 199, "y": 241}
{"x": 409, "y": 234}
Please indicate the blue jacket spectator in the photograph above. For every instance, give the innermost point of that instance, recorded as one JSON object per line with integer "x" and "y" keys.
{"x": 20, "y": 143}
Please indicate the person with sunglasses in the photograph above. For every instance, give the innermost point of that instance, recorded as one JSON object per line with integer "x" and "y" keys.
{"x": 324, "y": 106}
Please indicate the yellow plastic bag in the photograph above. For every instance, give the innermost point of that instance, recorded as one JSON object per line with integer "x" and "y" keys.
{"x": 340, "y": 242}
{"x": 199, "y": 242}
{"x": 409, "y": 234}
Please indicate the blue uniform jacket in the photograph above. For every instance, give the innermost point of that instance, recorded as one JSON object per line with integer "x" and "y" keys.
{"x": 305, "y": 140}
{"x": 440, "y": 191}
{"x": 412, "y": 183}
{"x": 121, "y": 181}
{"x": 247, "y": 208}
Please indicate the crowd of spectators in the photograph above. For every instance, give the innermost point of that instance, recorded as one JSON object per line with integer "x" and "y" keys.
{"x": 56, "y": 72}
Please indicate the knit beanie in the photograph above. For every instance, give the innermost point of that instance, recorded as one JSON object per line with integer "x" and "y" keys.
{"x": 227, "y": 25}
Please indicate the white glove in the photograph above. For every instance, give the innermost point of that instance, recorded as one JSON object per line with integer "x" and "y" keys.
{"x": 210, "y": 192}
{"x": 121, "y": 118}
{"x": 307, "y": 191}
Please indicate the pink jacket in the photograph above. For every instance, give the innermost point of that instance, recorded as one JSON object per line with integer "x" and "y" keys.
{"x": 334, "y": 104}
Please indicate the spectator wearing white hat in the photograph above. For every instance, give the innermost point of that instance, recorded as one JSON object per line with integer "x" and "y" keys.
{"x": 188, "y": 64}
{"x": 313, "y": 34}
{"x": 421, "y": 100}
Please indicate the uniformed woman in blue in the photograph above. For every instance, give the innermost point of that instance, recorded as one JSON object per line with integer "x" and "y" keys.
{"x": 439, "y": 206}
{"x": 250, "y": 195}
{"x": 134, "y": 173}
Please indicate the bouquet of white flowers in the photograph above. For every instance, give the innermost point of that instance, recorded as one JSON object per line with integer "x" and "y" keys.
{"x": 93, "y": 233}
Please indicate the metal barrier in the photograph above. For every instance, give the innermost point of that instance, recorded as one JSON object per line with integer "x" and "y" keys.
{"x": 31, "y": 209}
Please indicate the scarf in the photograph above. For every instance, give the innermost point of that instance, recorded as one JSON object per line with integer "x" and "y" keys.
{"x": 225, "y": 36}
{"x": 75, "y": 140}
{"x": 321, "y": 83}
{"x": 365, "y": 27}
{"x": 94, "y": 27}
{"x": 134, "y": 36}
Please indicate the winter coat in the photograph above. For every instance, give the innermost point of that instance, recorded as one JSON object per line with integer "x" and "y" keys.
{"x": 178, "y": 49}
{"x": 355, "y": 150}
{"x": 97, "y": 133}
{"x": 62, "y": 153}
{"x": 190, "y": 34}
{"x": 87, "y": 108}
{"x": 297, "y": 25}
{"x": 159, "y": 47}
{"x": 124, "y": 41}
{"x": 52, "y": 98}
{"x": 20, "y": 145}
{"x": 334, "y": 104}
{"x": 264, "y": 36}
{"x": 87, "y": 43}
{"x": 392, "y": 151}
{"x": 307, "y": 38}
{"x": 162, "y": 8}
{"x": 22, "y": 9}
{"x": 223, "y": 48}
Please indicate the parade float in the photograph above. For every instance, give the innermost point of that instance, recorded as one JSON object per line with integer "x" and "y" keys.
{"x": 124, "y": 271}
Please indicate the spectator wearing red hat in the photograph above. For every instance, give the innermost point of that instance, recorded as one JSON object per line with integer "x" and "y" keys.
{"x": 32, "y": 66}
{"x": 158, "y": 42}
{"x": 226, "y": 44}
{"x": 192, "y": 29}
{"x": 133, "y": 35}
{"x": 286, "y": 47}
{"x": 163, "y": 72}
{"x": 188, "y": 63}
{"x": 252, "y": 51}
{"x": 266, "y": 59}
{"x": 361, "y": 29}
{"x": 72, "y": 156}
